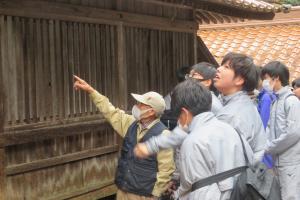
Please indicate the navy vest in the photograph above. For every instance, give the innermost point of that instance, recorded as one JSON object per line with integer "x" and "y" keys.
{"x": 136, "y": 175}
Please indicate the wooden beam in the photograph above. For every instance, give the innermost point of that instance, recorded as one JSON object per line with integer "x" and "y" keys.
{"x": 76, "y": 13}
{"x": 166, "y": 4}
{"x": 31, "y": 133}
{"x": 50, "y": 162}
{"x": 95, "y": 192}
{"x": 249, "y": 24}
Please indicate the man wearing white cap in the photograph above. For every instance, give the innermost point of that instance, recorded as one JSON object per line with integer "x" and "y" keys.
{"x": 136, "y": 178}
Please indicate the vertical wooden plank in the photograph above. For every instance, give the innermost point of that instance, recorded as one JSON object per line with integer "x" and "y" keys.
{"x": 12, "y": 93}
{"x": 113, "y": 58}
{"x": 109, "y": 64}
{"x": 99, "y": 58}
{"x": 93, "y": 60}
{"x": 19, "y": 38}
{"x": 77, "y": 97}
{"x": 39, "y": 71}
{"x": 136, "y": 44}
{"x": 31, "y": 71}
{"x": 2, "y": 116}
{"x": 160, "y": 57}
{"x": 122, "y": 68}
{"x": 87, "y": 65}
{"x": 53, "y": 71}
{"x": 65, "y": 69}
{"x": 4, "y": 64}
{"x": 163, "y": 71}
{"x": 15, "y": 187}
{"x": 151, "y": 57}
{"x": 70, "y": 65}
{"x": 46, "y": 71}
{"x": 59, "y": 68}
{"x": 82, "y": 65}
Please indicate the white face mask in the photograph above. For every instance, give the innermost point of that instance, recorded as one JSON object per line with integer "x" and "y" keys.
{"x": 137, "y": 113}
{"x": 267, "y": 86}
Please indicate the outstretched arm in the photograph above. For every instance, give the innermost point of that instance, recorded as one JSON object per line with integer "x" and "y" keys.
{"x": 157, "y": 143}
{"x": 119, "y": 120}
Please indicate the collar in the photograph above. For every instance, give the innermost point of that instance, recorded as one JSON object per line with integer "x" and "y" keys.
{"x": 148, "y": 124}
{"x": 200, "y": 119}
{"x": 228, "y": 98}
{"x": 282, "y": 91}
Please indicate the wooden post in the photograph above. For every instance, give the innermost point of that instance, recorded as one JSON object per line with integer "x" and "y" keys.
{"x": 122, "y": 68}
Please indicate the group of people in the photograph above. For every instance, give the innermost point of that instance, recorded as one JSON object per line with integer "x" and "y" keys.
{"x": 226, "y": 117}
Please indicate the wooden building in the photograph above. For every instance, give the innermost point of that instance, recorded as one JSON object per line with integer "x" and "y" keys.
{"x": 54, "y": 143}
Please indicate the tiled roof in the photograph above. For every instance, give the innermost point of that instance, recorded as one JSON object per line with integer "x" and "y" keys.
{"x": 263, "y": 42}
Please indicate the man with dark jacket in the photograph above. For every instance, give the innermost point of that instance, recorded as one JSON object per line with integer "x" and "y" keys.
{"x": 136, "y": 179}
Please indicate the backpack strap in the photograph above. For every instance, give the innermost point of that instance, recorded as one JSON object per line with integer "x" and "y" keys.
{"x": 291, "y": 94}
{"x": 217, "y": 177}
{"x": 223, "y": 175}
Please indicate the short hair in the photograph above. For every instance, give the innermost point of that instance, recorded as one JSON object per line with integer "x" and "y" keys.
{"x": 296, "y": 83}
{"x": 207, "y": 71}
{"x": 277, "y": 69}
{"x": 192, "y": 96}
{"x": 244, "y": 67}
{"x": 181, "y": 72}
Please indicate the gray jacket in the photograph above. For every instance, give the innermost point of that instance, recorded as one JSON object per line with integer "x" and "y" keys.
{"x": 175, "y": 139}
{"x": 240, "y": 112}
{"x": 284, "y": 129}
{"x": 211, "y": 147}
{"x": 216, "y": 104}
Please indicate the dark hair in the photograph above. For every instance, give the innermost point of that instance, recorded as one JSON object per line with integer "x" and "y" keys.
{"x": 244, "y": 67}
{"x": 207, "y": 71}
{"x": 296, "y": 83}
{"x": 181, "y": 72}
{"x": 191, "y": 95}
{"x": 277, "y": 69}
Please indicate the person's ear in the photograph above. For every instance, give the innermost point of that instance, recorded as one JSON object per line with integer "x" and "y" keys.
{"x": 207, "y": 83}
{"x": 239, "y": 81}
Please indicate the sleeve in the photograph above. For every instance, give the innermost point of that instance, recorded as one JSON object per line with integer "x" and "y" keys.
{"x": 165, "y": 161}
{"x": 292, "y": 134}
{"x": 118, "y": 119}
{"x": 164, "y": 141}
{"x": 265, "y": 110}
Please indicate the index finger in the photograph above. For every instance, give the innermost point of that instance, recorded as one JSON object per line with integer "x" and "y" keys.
{"x": 77, "y": 78}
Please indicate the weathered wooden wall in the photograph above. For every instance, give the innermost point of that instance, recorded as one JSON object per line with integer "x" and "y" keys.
{"x": 55, "y": 145}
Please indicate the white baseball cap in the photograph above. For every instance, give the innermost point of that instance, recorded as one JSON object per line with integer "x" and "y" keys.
{"x": 153, "y": 99}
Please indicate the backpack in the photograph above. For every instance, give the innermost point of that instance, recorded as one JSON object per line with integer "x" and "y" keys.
{"x": 253, "y": 183}
{"x": 168, "y": 119}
